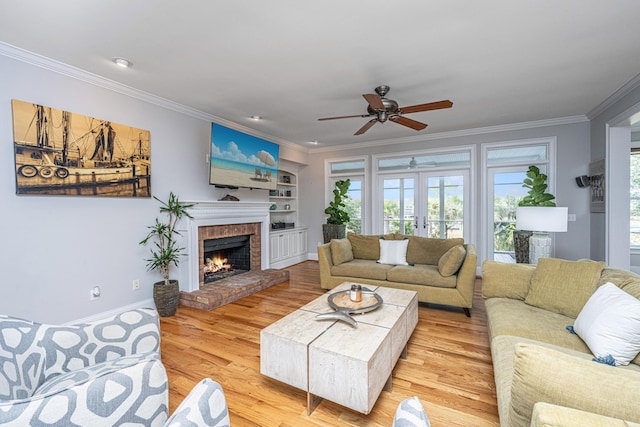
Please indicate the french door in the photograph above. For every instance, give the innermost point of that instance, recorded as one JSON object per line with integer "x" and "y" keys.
{"x": 429, "y": 204}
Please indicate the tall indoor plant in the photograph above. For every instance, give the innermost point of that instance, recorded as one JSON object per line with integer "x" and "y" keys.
{"x": 537, "y": 196}
{"x": 336, "y": 227}
{"x": 164, "y": 252}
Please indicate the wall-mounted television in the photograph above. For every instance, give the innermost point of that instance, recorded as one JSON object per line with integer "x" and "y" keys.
{"x": 241, "y": 160}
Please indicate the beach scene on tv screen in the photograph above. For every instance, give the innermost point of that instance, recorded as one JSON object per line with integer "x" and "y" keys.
{"x": 242, "y": 160}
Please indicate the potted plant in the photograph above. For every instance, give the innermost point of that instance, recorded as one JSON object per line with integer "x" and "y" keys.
{"x": 536, "y": 182}
{"x": 335, "y": 228}
{"x": 165, "y": 252}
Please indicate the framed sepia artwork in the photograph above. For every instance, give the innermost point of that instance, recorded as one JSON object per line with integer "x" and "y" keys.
{"x": 597, "y": 185}
{"x": 63, "y": 153}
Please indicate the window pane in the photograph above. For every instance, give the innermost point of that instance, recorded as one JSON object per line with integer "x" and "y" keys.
{"x": 634, "y": 197}
{"x": 525, "y": 153}
{"x": 354, "y": 206}
{"x": 352, "y": 166}
{"x": 420, "y": 162}
{"x": 398, "y": 206}
{"x": 445, "y": 206}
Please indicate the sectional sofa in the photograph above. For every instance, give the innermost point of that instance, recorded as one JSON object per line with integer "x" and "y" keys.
{"x": 565, "y": 337}
{"x": 441, "y": 271}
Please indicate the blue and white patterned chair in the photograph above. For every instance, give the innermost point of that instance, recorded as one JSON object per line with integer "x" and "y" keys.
{"x": 410, "y": 413}
{"x": 103, "y": 373}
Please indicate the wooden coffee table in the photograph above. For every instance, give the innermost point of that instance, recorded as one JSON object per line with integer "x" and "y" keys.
{"x": 331, "y": 359}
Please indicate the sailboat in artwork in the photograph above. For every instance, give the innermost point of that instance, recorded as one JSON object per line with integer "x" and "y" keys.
{"x": 49, "y": 155}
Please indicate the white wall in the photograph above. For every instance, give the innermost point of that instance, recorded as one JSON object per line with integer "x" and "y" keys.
{"x": 56, "y": 248}
{"x": 572, "y": 159}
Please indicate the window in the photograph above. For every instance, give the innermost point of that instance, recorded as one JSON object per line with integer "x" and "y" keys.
{"x": 634, "y": 198}
{"x": 424, "y": 194}
{"x": 505, "y": 168}
{"x": 353, "y": 169}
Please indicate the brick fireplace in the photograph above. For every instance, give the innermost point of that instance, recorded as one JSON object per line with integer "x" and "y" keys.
{"x": 210, "y": 234}
{"x": 222, "y": 219}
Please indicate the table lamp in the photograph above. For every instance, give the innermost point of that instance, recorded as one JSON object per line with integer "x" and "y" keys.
{"x": 541, "y": 220}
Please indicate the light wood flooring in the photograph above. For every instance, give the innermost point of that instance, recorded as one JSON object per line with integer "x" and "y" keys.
{"x": 448, "y": 365}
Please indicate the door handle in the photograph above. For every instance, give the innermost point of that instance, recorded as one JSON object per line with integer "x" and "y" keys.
{"x": 424, "y": 222}
{"x": 415, "y": 222}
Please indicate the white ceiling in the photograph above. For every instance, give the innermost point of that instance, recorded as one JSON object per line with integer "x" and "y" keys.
{"x": 292, "y": 62}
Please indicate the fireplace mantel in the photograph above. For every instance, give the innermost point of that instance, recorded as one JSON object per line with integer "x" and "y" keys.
{"x": 207, "y": 213}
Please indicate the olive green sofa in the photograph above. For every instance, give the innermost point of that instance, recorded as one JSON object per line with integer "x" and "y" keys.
{"x": 545, "y": 374}
{"x": 441, "y": 271}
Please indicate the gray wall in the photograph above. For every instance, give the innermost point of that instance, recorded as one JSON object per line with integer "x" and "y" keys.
{"x": 572, "y": 160}
{"x": 598, "y": 152}
{"x": 56, "y": 248}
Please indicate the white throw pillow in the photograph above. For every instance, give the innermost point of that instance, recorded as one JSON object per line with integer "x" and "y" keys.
{"x": 609, "y": 324}
{"x": 393, "y": 252}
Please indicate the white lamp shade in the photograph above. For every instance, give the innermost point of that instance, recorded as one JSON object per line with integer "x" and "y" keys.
{"x": 541, "y": 218}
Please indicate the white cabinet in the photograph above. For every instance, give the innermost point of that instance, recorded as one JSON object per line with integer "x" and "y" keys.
{"x": 287, "y": 247}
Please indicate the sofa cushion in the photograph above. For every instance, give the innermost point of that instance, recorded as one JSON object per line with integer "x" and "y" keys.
{"x": 548, "y": 415}
{"x": 542, "y": 375}
{"x": 507, "y": 316}
{"x": 365, "y": 247}
{"x": 425, "y": 250}
{"x": 563, "y": 286}
{"x": 504, "y": 280}
{"x": 609, "y": 324}
{"x": 624, "y": 279}
{"x": 393, "y": 252}
{"x": 421, "y": 274}
{"x": 361, "y": 268}
{"x": 450, "y": 262}
{"x": 341, "y": 251}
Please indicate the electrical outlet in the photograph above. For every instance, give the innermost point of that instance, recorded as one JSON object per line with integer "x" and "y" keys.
{"x": 136, "y": 284}
{"x": 95, "y": 293}
{"x": 571, "y": 217}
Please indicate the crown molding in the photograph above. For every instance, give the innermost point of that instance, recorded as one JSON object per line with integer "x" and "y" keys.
{"x": 631, "y": 85}
{"x": 58, "y": 67}
{"x": 457, "y": 133}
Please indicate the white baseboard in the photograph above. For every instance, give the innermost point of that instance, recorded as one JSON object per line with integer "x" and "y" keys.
{"x": 148, "y": 303}
{"x": 312, "y": 256}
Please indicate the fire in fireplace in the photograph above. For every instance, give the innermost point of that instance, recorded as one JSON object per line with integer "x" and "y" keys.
{"x": 225, "y": 257}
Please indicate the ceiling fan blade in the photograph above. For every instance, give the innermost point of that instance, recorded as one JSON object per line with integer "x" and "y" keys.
{"x": 345, "y": 117}
{"x": 366, "y": 126}
{"x": 374, "y": 101}
{"x": 404, "y": 121}
{"x": 427, "y": 107}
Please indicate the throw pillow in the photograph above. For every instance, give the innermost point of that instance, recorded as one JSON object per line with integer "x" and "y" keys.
{"x": 341, "y": 251}
{"x": 609, "y": 324}
{"x": 451, "y": 261}
{"x": 426, "y": 250}
{"x": 393, "y": 252}
{"x": 364, "y": 247}
{"x": 563, "y": 286}
{"x": 410, "y": 413}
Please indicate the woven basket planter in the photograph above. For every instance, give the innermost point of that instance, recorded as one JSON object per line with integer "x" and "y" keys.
{"x": 166, "y": 297}
{"x": 333, "y": 231}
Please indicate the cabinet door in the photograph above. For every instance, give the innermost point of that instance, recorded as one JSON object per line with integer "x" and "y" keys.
{"x": 284, "y": 241}
{"x": 274, "y": 248}
{"x": 300, "y": 238}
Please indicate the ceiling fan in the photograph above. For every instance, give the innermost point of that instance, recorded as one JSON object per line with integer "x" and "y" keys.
{"x": 383, "y": 109}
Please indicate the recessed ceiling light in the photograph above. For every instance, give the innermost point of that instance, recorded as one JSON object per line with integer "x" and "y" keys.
{"x": 122, "y": 62}
{"x": 256, "y": 117}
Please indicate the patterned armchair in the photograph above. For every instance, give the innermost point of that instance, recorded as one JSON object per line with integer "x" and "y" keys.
{"x": 103, "y": 373}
